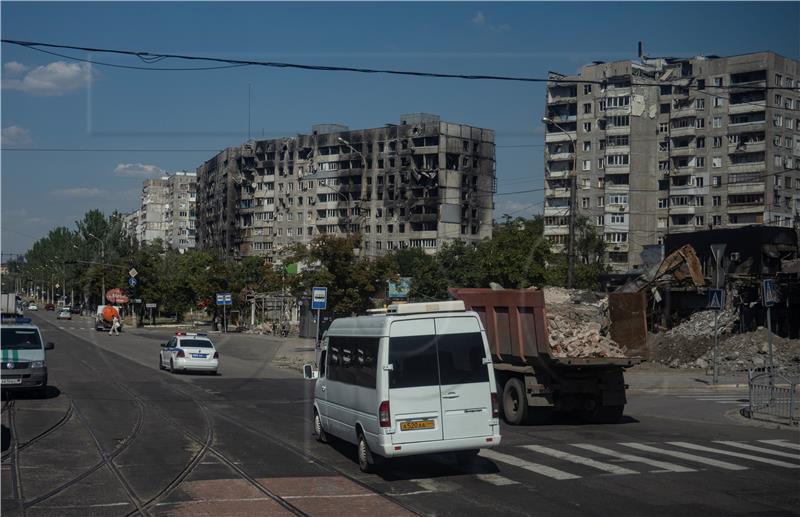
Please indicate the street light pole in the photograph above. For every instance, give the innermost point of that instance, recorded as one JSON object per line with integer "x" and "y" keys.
{"x": 572, "y": 194}
{"x": 103, "y": 260}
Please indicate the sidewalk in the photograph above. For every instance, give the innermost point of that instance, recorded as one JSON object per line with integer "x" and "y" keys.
{"x": 649, "y": 376}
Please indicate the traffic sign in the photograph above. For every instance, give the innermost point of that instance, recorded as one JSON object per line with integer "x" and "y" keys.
{"x": 136, "y": 300}
{"x": 133, "y": 272}
{"x": 224, "y": 299}
{"x": 132, "y": 282}
{"x": 319, "y": 298}
{"x": 151, "y": 305}
{"x": 769, "y": 293}
{"x": 716, "y": 298}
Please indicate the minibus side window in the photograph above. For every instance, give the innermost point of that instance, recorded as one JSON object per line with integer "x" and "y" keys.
{"x": 333, "y": 361}
{"x": 461, "y": 358}
{"x": 322, "y": 363}
{"x": 365, "y": 353}
{"x": 414, "y": 361}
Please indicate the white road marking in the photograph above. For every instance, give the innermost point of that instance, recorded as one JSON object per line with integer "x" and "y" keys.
{"x": 496, "y": 479}
{"x": 737, "y": 454}
{"x": 782, "y": 443}
{"x": 686, "y": 456}
{"x": 614, "y": 469}
{"x": 527, "y": 465}
{"x": 70, "y": 507}
{"x": 665, "y": 466}
{"x": 432, "y": 485}
{"x": 323, "y": 496}
{"x": 794, "y": 456}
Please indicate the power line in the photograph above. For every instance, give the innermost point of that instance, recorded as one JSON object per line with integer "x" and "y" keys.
{"x": 106, "y": 150}
{"x": 151, "y": 57}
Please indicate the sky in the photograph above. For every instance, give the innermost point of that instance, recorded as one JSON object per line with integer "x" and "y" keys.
{"x": 79, "y": 136}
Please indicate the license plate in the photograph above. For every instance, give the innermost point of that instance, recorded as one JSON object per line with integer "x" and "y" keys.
{"x": 10, "y": 381}
{"x": 414, "y": 426}
{"x": 199, "y": 356}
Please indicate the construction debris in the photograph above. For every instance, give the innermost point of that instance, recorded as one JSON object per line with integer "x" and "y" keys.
{"x": 577, "y": 322}
{"x": 691, "y": 345}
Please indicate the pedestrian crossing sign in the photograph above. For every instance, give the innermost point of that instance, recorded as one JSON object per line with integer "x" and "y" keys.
{"x": 768, "y": 293}
{"x": 715, "y": 299}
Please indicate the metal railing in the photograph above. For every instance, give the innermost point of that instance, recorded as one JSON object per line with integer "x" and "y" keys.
{"x": 773, "y": 392}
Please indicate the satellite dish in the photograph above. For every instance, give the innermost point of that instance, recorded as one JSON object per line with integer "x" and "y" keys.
{"x": 254, "y": 185}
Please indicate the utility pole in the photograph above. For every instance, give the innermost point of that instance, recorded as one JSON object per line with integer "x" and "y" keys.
{"x": 573, "y": 175}
{"x": 103, "y": 255}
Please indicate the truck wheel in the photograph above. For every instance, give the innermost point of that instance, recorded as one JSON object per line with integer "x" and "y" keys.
{"x": 515, "y": 402}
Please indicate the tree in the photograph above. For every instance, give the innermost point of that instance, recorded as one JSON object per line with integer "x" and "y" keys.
{"x": 516, "y": 256}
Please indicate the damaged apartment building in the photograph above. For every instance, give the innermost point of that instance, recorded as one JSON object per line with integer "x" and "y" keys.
{"x": 667, "y": 145}
{"x": 167, "y": 211}
{"x": 417, "y": 184}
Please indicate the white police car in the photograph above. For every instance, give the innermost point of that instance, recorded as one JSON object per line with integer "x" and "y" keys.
{"x": 188, "y": 352}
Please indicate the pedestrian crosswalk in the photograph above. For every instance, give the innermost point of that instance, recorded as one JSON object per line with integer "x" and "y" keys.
{"x": 572, "y": 461}
{"x": 738, "y": 397}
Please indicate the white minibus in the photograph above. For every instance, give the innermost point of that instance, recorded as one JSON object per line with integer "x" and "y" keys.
{"x": 415, "y": 380}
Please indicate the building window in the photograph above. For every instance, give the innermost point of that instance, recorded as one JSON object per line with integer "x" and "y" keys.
{"x": 585, "y": 202}
{"x": 700, "y": 161}
{"x": 587, "y": 165}
{"x": 777, "y": 120}
{"x": 699, "y": 220}
{"x": 664, "y": 107}
{"x": 617, "y": 218}
{"x": 601, "y": 201}
{"x": 599, "y": 220}
{"x": 699, "y": 123}
{"x": 587, "y": 145}
{"x": 601, "y": 163}
{"x": 716, "y": 122}
{"x": 663, "y": 127}
{"x": 778, "y": 78}
{"x": 587, "y": 127}
{"x": 716, "y": 220}
{"x": 718, "y": 102}
{"x": 587, "y": 108}
{"x": 716, "y": 162}
{"x": 717, "y": 142}
{"x": 716, "y": 200}
{"x": 587, "y": 89}
{"x": 700, "y": 142}
{"x": 662, "y": 203}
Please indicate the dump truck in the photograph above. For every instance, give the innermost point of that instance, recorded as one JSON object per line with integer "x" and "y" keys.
{"x": 533, "y": 384}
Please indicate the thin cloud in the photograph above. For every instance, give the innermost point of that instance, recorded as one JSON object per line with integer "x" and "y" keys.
{"x": 479, "y": 20}
{"x": 15, "y": 136}
{"x": 56, "y": 78}
{"x": 80, "y": 192}
{"x": 138, "y": 169}
{"x": 13, "y": 68}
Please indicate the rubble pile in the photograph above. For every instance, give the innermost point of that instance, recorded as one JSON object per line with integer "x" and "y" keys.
{"x": 691, "y": 345}
{"x": 577, "y": 322}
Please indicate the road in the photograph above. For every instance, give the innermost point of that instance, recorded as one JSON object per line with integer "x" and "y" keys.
{"x": 117, "y": 436}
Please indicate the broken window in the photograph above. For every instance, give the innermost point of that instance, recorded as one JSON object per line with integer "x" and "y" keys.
{"x": 466, "y": 145}
{"x": 587, "y": 108}
{"x": 587, "y": 127}
{"x": 391, "y": 162}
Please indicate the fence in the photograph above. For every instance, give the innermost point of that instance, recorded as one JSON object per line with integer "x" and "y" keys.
{"x": 773, "y": 392}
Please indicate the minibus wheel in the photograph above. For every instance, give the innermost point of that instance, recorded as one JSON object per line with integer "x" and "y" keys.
{"x": 366, "y": 460}
{"x": 319, "y": 432}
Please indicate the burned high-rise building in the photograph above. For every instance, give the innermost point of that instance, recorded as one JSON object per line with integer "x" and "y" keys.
{"x": 416, "y": 184}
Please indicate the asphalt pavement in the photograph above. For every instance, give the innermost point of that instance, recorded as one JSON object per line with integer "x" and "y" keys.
{"x": 117, "y": 436}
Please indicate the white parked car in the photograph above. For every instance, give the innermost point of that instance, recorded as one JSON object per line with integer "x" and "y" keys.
{"x": 186, "y": 352}
{"x": 416, "y": 380}
{"x": 33, "y": 307}
{"x": 64, "y": 314}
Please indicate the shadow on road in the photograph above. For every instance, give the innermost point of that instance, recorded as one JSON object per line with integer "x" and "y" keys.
{"x": 51, "y": 393}
{"x": 6, "y": 437}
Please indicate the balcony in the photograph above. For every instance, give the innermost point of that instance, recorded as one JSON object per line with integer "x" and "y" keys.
{"x": 617, "y": 246}
{"x": 745, "y": 208}
{"x": 560, "y": 136}
{"x": 747, "y": 167}
{"x": 747, "y": 86}
{"x": 613, "y": 187}
{"x": 747, "y": 148}
{"x": 746, "y": 127}
{"x": 560, "y": 119}
{"x": 556, "y": 211}
{"x": 688, "y": 150}
{"x": 683, "y": 131}
{"x": 556, "y": 229}
{"x": 685, "y": 210}
{"x": 618, "y": 169}
{"x": 618, "y": 130}
{"x": 688, "y": 111}
{"x": 747, "y": 107}
{"x": 554, "y": 157}
{"x": 556, "y": 192}
{"x": 550, "y": 174}
{"x": 746, "y": 188}
{"x": 688, "y": 190}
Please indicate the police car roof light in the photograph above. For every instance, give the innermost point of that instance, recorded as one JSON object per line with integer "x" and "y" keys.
{"x": 16, "y": 320}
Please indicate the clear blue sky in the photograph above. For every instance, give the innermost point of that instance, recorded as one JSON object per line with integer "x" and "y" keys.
{"x": 50, "y": 102}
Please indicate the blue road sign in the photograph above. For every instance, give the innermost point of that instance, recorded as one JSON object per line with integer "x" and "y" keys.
{"x": 319, "y": 298}
{"x": 769, "y": 294}
{"x": 132, "y": 282}
{"x": 224, "y": 299}
{"x": 716, "y": 298}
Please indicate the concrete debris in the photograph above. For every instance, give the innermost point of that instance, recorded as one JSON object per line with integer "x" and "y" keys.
{"x": 577, "y": 322}
{"x": 735, "y": 352}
